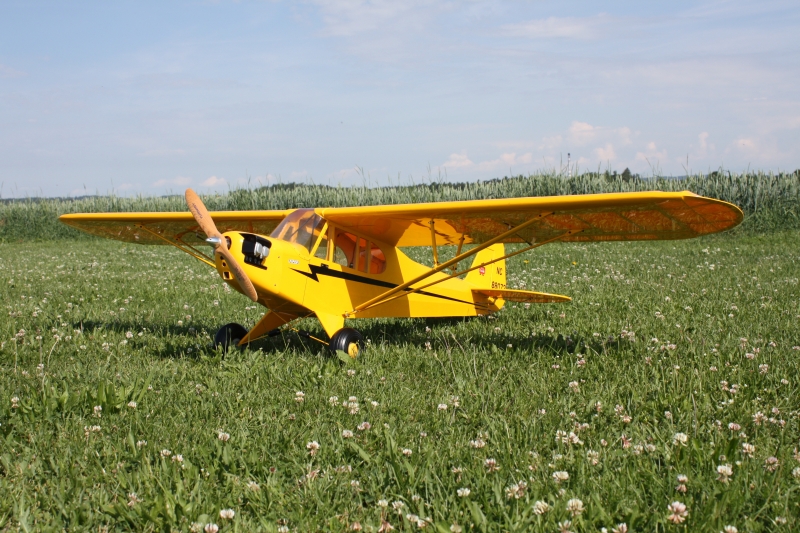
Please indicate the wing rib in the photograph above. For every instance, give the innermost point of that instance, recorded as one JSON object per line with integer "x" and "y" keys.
{"x": 178, "y": 246}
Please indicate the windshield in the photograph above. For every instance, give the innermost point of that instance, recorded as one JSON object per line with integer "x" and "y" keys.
{"x": 301, "y": 227}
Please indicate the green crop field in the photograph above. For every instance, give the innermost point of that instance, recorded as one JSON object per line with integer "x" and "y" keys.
{"x": 663, "y": 397}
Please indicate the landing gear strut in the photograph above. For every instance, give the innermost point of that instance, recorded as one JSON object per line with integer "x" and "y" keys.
{"x": 348, "y": 340}
{"x": 229, "y": 335}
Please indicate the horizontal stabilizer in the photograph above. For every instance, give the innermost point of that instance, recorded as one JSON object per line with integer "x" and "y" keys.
{"x": 510, "y": 295}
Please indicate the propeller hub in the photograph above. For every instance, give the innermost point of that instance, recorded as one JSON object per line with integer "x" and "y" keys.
{"x": 214, "y": 241}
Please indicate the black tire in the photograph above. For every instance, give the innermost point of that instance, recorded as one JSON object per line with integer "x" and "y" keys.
{"x": 348, "y": 340}
{"x": 229, "y": 335}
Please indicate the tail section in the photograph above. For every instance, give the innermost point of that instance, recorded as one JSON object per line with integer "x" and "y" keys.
{"x": 490, "y": 276}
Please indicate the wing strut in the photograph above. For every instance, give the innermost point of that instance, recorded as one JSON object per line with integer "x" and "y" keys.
{"x": 191, "y": 251}
{"x": 487, "y": 263}
{"x": 456, "y": 259}
{"x": 433, "y": 244}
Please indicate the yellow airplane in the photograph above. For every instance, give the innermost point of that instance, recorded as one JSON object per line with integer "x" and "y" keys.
{"x": 346, "y": 263}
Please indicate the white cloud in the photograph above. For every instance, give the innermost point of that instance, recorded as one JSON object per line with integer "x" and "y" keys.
{"x": 582, "y": 133}
{"x": 8, "y": 72}
{"x": 213, "y": 181}
{"x": 346, "y": 174}
{"x": 346, "y": 18}
{"x": 180, "y": 180}
{"x": 606, "y": 153}
{"x": 160, "y": 152}
{"x": 652, "y": 155}
{"x": 458, "y": 161}
{"x": 506, "y": 162}
{"x": 559, "y": 27}
{"x": 298, "y": 175}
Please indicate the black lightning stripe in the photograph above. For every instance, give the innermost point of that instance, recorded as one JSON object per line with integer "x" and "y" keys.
{"x": 325, "y": 271}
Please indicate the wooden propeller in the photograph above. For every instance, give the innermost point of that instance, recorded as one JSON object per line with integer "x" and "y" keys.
{"x": 203, "y": 219}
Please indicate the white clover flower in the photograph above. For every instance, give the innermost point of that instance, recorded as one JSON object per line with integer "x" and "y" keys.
{"x": 224, "y": 437}
{"x": 593, "y": 457}
{"x": 363, "y": 426}
{"x": 227, "y": 514}
{"x": 211, "y": 528}
{"x": 98, "y": 411}
{"x": 725, "y": 472}
{"x": 299, "y": 396}
{"x": 477, "y": 443}
{"x": 442, "y": 407}
{"x": 575, "y": 507}
{"x": 678, "y": 512}
{"x": 313, "y": 447}
{"x": 253, "y": 486}
{"x": 540, "y": 507}
{"x": 516, "y": 490}
{"x": 748, "y": 449}
{"x": 132, "y": 404}
{"x": 729, "y": 529}
{"x": 560, "y": 476}
{"x": 771, "y": 463}
{"x": 407, "y": 452}
{"x": 574, "y": 385}
{"x": 333, "y": 400}
{"x": 681, "y": 439}
{"x": 347, "y": 434}
{"x": 463, "y": 492}
{"x": 491, "y": 465}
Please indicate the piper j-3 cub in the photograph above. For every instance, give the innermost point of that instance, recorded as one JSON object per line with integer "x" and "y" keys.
{"x": 345, "y": 263}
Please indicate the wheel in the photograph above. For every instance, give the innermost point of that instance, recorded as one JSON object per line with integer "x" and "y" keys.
{"x": 348, "y": 340}
{"x": 229, "y": 335}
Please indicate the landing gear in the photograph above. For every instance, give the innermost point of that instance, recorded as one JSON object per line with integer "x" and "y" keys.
{"x": 348, "y": 340}
{"x": 229, "y": 335}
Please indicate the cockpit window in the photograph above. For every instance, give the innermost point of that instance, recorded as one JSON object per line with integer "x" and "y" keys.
{"x": 301, "y": 226}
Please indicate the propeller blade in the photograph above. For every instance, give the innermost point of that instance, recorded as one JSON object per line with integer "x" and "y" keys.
{"x": 203, "y": 219}
{"x": 239, "y": 274}
{"x": 201, "y": 215}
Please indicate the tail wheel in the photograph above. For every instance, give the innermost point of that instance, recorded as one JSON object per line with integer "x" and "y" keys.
{"x": 229, "y": 335}
{"x": 348, "y": 340}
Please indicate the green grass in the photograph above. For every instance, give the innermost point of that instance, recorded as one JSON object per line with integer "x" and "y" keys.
{"x": 654, "y": 327}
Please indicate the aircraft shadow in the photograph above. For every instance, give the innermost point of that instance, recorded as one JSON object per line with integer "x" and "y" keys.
{"x": 406, "y": 331}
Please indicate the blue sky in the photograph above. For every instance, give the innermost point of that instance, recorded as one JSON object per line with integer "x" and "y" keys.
{"x": 152, "y": 97}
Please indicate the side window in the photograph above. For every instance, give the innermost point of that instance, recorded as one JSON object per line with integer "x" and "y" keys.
{"x": 377, "y": 263}
{"x": 322, "y": 249}
{"x": 345, "y": 249}
{"x": 362, "y": 256}
{"x": 356, "y": 253}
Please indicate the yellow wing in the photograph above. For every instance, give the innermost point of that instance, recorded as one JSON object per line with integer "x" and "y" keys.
{"x": 177, "y": 228}
{"x": 599, "y": 217}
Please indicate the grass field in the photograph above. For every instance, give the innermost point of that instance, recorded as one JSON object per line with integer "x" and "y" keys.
{"x": 674, "y": 359}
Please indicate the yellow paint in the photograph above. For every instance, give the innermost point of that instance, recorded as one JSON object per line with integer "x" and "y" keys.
{"x": 304, "y": 274}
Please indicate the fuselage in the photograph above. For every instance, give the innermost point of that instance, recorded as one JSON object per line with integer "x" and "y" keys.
{"x": 300, "y": 281}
